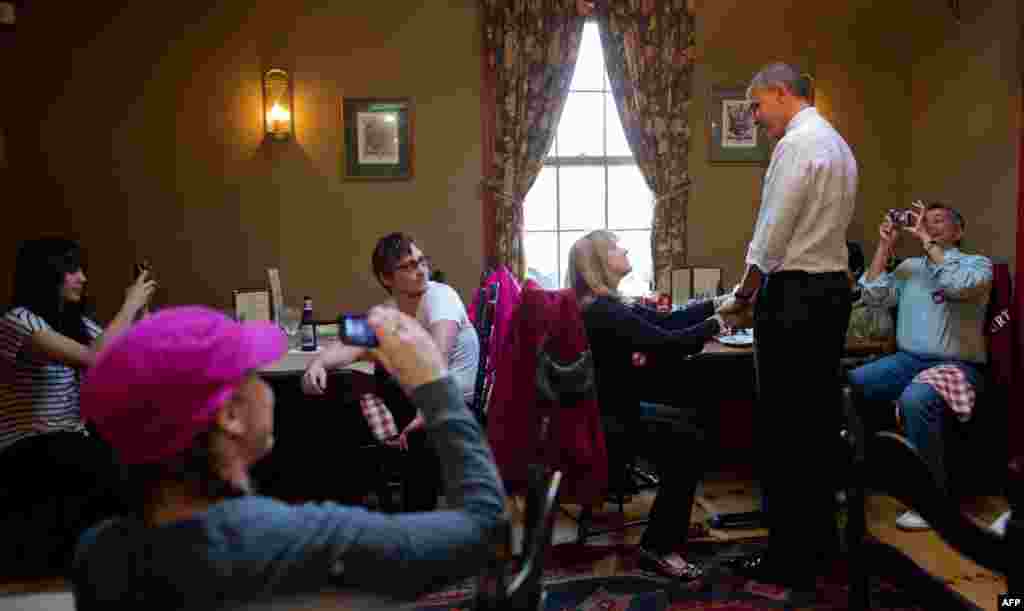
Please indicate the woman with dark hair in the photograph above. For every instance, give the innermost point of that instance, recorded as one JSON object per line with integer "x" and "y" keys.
{"x": 54, "y": 470}
{"x": 615, "y": 330}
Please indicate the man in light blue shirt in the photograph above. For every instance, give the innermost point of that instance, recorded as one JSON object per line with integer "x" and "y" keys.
{"x": 942, "y": 297}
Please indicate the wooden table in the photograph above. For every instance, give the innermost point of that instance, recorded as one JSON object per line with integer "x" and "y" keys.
{"x": 295, "y": 361}
{"x": 723, "y": 377}
{"x": 854, "y": 348}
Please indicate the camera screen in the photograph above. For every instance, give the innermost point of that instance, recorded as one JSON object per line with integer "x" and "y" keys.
{"x": 358, "y": 332}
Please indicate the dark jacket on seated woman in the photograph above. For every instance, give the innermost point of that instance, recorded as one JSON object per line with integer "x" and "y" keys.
{"x": 617, "y": 330}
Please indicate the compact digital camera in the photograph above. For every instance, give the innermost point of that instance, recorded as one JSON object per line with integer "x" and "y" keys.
{"x": 354, "y": 330}
{"x": 904, "y": 217}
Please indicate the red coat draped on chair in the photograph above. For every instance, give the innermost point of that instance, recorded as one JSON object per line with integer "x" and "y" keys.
{"x": 575, "y": 438}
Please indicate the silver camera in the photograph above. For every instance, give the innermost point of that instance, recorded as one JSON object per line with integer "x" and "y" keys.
{"x": 903, "y": 217}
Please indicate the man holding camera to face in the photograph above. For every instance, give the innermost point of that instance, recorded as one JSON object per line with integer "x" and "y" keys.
{"x": 941, "y": 298}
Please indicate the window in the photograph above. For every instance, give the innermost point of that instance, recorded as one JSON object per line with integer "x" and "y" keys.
{"x": 589, "y": 181}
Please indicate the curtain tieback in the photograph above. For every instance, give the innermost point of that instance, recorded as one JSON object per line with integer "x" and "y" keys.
{"x": 496, "y": 190}
{"x": 673, "y": 193}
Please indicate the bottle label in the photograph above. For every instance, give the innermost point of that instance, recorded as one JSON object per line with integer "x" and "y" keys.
{"x": 308, "y": 335}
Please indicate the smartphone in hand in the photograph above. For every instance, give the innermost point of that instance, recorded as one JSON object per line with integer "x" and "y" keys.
{"x": 143, "y": 266}
{"x": 354, "y": 330}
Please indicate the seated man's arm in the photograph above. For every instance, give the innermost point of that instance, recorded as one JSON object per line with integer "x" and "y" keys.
{"x": 965, "y": 278}
{"x": 444, "y": 332}
{"x": 338, "y": 354}
{"x": 883, "y": 289}
{"x": 314, "y": 379}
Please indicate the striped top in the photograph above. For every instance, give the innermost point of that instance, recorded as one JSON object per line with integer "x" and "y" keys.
{"x": 36, "y": 395}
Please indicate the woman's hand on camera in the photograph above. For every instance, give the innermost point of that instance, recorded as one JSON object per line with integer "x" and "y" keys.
{"x": 138, "y": 294}
{"x": 406, "y": 350}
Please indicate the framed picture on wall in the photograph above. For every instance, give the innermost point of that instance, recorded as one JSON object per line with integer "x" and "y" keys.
{"x": 251, "y": 304}
{"x": 733, "y": 138}
{"x": 378, "y": 138}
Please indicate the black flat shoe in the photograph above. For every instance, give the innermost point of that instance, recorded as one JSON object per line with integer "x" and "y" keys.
{"x": 760, "y": 568}
{"x": 651, "y": 561}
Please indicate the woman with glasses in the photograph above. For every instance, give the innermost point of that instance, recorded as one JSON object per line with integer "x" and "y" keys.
{"x": 404, "y": 271}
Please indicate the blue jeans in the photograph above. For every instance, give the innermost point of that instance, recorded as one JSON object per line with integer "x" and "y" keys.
{"x": 922, "y": 408}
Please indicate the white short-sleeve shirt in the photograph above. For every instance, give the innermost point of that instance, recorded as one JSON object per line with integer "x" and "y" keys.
{"x": 441, "y": 302}
{"x": 36, "y": 395}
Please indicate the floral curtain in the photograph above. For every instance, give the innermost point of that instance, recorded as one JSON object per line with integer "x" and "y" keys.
{"x": 530, "y": 47}
{"x": 649, "y": 48}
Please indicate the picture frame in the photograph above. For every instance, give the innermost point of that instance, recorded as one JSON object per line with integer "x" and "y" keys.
{"x": 378, "y": 138}
{"x": 733, "y": 138}
{"x": 251, "y": 304}
{"x": 691, "y": 282}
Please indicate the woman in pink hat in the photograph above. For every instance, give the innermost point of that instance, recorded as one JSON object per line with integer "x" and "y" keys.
{"x": 57, "y": 477}
{"x": 179, "y": 400}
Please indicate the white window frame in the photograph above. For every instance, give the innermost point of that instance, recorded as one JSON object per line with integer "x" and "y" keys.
{"x": 554, "y": 160}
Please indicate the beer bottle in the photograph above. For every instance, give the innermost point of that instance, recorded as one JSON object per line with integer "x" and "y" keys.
{"x": 307, "y": 328}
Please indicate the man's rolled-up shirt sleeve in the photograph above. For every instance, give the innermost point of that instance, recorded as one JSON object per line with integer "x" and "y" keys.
{"x": 883, "y": 291}
{"x": 965, "y": 278}
{"x": 785, "y": 195}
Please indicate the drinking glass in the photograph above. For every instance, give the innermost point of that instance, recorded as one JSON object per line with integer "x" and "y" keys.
{"x": 291, "y": 316}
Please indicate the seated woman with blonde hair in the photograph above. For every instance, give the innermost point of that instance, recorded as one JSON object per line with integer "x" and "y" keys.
{"x": 615, "y": 330}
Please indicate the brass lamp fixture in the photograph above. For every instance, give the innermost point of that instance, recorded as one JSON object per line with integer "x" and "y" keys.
{"x": 277, "y": 103}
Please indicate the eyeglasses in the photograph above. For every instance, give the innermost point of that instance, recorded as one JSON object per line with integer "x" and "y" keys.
{"x": 413, "y": 265}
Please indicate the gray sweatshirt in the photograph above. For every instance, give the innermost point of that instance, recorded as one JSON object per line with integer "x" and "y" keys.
{"x": 253, "y": 548}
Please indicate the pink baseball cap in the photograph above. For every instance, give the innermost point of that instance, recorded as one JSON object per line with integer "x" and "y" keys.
{"x": 154, "y": 388}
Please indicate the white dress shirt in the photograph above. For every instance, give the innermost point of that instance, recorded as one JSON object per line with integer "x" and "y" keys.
{"x": 810, "y": 190}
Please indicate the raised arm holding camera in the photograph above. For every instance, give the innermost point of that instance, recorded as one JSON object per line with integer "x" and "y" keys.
{"x": 179, "y": 399}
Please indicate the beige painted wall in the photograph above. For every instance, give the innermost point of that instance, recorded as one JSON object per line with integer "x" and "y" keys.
{"x": 857, "y": 55}
{"x": 966, "y": 121}
{"x": 140, "y": 124}
{"x": 139, "y": 128}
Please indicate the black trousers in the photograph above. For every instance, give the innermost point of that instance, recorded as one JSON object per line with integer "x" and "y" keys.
{"x": 673, "y": 439}
{"x": 800, "y": 323}
{"x": 420, "y": 466}
{"x": 55, "y": 486}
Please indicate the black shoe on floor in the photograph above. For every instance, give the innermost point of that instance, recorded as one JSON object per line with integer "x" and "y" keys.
{"x": 761, "y": 568}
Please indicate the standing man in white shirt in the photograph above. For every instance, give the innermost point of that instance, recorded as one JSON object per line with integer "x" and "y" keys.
{"x": 796, "y": 280}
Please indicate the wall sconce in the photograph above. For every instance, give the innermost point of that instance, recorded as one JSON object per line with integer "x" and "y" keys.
{"x": 277, "y": 103}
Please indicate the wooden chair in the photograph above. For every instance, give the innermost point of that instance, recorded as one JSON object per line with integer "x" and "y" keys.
{"x": 517, "y": 582}
{"x": 487, "y": 304}
{"x": 892, "y": 466}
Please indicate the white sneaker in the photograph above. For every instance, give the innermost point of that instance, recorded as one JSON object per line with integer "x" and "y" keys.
{"x": 910, "y": 520}
{"x": 999, "y": 526}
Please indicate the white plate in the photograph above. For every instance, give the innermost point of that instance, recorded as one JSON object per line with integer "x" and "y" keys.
{"x": 739, "y": 339}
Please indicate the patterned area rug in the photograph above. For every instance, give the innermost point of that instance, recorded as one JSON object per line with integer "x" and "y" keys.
{"x": 571, "y": 583}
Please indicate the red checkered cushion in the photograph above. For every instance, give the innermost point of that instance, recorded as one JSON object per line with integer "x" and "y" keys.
{"x": 952, "y": 385}
{"x": 378, "y": 417}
